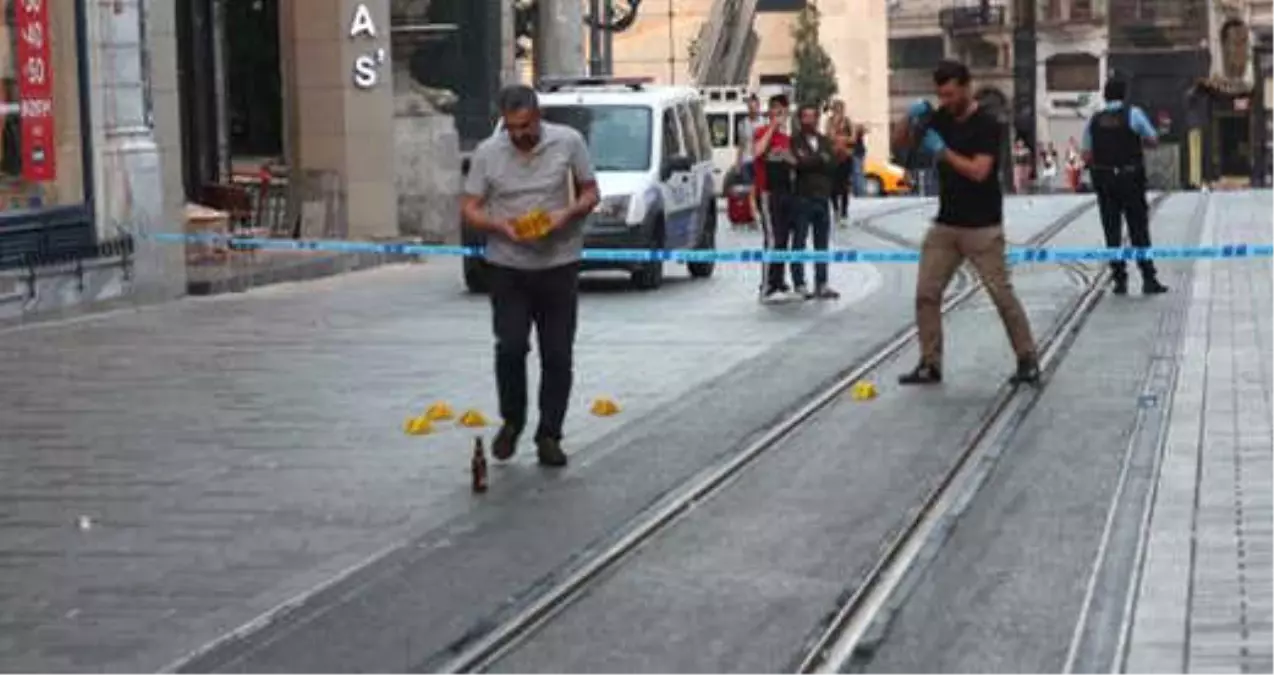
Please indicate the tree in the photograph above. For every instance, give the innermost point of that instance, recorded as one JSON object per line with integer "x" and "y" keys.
{"x": 815, "y": 76}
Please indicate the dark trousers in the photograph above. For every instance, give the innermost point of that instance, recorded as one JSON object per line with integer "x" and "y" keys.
{"x": 842, "y": 180}
{"x": 813, "y": 216}
{"x": 1122, "y": 196}
{"x": 779, "y": 222}
{"x": 549, "y": 299}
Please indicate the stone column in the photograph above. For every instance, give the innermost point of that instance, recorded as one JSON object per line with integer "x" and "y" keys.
{"x": 559, "y": 39}
{"x": 339, "y": 91}
{"x": 137, "y": 174}
{"x": 855, "y": 33}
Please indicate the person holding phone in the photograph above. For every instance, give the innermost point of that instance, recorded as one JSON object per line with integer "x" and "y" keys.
{"x": 776, "y": 182}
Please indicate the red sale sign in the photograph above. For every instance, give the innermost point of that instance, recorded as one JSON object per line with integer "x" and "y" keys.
{"x": 35, "y": 90}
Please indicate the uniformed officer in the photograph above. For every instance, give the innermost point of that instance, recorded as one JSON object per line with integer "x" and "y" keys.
{"x": 1112, "y": 149}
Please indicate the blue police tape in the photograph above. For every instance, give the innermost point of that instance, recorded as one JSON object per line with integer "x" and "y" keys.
{"x": 837, "y": 256}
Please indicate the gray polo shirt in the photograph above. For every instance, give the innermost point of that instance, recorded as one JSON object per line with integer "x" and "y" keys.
{"x": 512, "y": 184}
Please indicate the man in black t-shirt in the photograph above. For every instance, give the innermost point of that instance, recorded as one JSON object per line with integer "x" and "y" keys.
{"x": 966, "y": 142}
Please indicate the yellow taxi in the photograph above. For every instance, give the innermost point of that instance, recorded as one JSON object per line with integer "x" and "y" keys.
{"x": 881, "y": 179}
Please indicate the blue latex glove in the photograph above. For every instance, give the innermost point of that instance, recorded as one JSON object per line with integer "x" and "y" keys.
{"x": 918, "y": 110}
{"x": 933, "y": 143}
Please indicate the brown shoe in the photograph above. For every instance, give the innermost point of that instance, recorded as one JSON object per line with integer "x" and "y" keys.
{"x": 550, "y": 452}
{"x": 505, "y": 443}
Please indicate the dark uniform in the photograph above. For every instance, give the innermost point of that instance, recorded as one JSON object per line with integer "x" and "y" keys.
{"x": 1119, "y": 179}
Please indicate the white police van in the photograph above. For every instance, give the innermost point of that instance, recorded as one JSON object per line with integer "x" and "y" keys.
{"x": 652, "y": 154}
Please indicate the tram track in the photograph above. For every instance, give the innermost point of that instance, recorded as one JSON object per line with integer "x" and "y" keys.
{"x": 849, "y": 623}
{"x": 861, "y": 622}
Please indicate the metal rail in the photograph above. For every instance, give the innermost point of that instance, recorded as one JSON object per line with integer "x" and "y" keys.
{"x": 508, "y": 634}
{"x": 843, "y": 637}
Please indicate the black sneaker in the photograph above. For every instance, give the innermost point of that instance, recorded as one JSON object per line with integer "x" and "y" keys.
{"x": 1153, "y": 287}
{"x": 505, "y": 443}
{"x": 1028, "y": 372}
{"x": 825, "y": 292}
{"x": 923, "y": 374}
{"x": 1120, "y": 287}
{"x": 550, "y": 452}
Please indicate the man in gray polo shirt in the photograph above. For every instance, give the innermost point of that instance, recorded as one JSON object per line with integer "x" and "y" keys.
{"x": 532, "y": 165}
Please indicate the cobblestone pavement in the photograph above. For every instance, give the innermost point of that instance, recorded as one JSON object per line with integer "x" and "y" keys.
{"x": 1205, "y": 598}
{"x": 176, "y": 471}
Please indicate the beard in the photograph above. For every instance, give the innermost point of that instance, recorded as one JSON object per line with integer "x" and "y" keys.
{"x": 526, "y": 142}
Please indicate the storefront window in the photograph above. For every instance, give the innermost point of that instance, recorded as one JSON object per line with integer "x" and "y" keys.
{"x": 41, "y": 151}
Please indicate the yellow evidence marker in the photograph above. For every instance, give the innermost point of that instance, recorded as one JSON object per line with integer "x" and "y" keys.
{"x": 605, "y": 407}
{"x": 533, "y": 225}
{"x": 863, "y": 391}
{"x": 473, "y": 419}
{"x": 418, "y": 426}
{"x": 439, "y": 412}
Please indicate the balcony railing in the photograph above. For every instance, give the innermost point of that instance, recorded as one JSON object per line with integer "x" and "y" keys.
{"x": 1071, "y": 12}
{"x": 973, "y": 16}
{"x": 1157, "y": 12}
{"x": 1157, "y": 24}
{"x": 910, "y": 20}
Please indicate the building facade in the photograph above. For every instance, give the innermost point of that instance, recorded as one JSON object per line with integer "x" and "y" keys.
{"x": 1072, "y": 39}
{"x": 90, "y": 129}
{"x": 357, "y": 111}
{"x": 661, "y": 42}
{"x": 1161, "y": 48}
{"x": 980, "y": 33}
{"x": 1200, "y": 69}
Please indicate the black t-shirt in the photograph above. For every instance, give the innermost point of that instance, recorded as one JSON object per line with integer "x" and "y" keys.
{"x": 963, "y": 202}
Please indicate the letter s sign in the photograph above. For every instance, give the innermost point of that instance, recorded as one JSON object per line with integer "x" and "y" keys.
{"x": 367, "y": 69}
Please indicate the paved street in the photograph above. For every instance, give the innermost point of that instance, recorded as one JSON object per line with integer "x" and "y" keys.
{"x": 1205, "y": 602}
{"x": 181, "y": 471}
{"x": 233, "y": 452}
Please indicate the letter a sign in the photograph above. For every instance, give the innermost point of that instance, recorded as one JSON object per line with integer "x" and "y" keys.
{"x": 362, "y": 23}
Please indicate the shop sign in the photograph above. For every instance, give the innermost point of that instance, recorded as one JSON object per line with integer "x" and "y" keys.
{"x": 35, "y": 90}
{"x": 367, "y": 66}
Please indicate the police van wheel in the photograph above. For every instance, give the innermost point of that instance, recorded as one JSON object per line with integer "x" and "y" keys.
{"x": 650, "y": 276}
{"x": 707, "y": 242}
{"x": 475, "y": 275}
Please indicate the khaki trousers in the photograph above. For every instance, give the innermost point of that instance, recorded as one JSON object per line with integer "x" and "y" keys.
{"x": 945, "y": 247}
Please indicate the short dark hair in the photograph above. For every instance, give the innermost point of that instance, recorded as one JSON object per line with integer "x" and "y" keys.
{"x": 1115, "y": 90}
{"x": 949, "y": 70}
{"x": 806, "y": 106}
{"x": 779, "y": 99}
{"x": 517, "y": 97}
{"x": 752, "y": 98}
